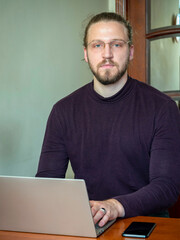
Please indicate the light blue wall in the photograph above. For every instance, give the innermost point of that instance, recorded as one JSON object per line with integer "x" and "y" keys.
{"x": 40, "y": 62}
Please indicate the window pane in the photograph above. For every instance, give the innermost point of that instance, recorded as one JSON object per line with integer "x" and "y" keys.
{"x": 163, "y": 13}
{"x": 165, "y": 64}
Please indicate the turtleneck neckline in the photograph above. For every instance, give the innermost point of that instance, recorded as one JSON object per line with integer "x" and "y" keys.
{"x": 123, "y": 92}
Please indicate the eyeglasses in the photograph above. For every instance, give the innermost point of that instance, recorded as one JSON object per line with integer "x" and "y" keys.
{"x": 98, "y": 46}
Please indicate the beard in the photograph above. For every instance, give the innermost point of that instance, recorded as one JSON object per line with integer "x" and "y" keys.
{"x": 109, "y": 78}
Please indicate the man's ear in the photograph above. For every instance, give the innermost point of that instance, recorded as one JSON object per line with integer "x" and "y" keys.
{"x": 85, "y": 55}
{"x": 131, "y": 52}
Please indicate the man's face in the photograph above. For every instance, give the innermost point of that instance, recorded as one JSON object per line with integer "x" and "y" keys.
{"x": 108, "y": 52}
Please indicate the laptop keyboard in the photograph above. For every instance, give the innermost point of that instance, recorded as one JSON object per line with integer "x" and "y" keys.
{"x": 99, "y": 229}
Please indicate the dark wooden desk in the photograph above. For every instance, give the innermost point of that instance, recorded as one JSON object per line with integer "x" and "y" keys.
{"x": 166, "y": 229}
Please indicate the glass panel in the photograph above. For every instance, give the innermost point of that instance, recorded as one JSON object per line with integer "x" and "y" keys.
{"x": 178, "y": 104}
{"x": 164, "y": 13}
{"x": 165, "y": 64}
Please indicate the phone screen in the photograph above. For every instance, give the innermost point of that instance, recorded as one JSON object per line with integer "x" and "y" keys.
{"x": 139, "y": 229}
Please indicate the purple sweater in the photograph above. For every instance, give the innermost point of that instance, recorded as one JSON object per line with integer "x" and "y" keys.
{"x": 126, "y": 146}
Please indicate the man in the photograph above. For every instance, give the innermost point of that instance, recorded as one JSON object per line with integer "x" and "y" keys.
{"x": 121, "y": 135}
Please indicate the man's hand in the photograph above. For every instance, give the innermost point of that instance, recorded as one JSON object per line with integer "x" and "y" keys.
{"x": 106, "y": 210}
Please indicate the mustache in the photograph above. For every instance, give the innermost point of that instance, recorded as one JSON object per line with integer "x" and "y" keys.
{"x": 107, "y": 61}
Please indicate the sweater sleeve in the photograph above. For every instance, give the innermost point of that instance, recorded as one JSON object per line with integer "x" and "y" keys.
{"x": 53, "y": 159}
{"x": 164, "y": 178}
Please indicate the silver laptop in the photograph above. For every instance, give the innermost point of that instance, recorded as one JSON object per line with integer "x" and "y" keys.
{"x": 46, "y": 205}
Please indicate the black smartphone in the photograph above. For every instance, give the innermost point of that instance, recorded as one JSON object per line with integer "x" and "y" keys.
{"x": 139, "y": 229}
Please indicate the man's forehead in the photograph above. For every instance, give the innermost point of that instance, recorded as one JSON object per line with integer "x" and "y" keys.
{"x": 107, "y": 28}
{"x": 103, "y": 23}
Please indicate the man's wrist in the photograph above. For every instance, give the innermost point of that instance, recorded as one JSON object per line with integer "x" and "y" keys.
{"x": 119, "y": 207}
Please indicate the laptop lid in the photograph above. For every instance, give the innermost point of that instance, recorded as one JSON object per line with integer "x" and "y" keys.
{"x": 46, "y": 205}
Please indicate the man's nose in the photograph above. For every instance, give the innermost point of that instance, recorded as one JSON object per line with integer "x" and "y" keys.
{"x": 107, "y": 51}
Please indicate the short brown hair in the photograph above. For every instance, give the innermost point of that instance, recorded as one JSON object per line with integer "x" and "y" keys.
{"x": 108, "y": 16}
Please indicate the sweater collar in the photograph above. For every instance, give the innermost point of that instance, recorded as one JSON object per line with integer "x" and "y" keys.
{"x": 124, "y": 92}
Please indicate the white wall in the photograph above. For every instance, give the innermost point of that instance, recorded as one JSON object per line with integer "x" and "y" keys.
{"x": 40, "y": 62}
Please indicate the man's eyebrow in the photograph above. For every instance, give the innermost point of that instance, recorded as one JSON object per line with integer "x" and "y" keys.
{"x": 115, "y": 39}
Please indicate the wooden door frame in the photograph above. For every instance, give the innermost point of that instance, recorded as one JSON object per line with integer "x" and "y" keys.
{"x": 135, "y": 12}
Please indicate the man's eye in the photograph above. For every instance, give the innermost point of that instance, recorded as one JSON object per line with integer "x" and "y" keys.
{"x": 117, "y": 45}
{"x": 98, "y": 45}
